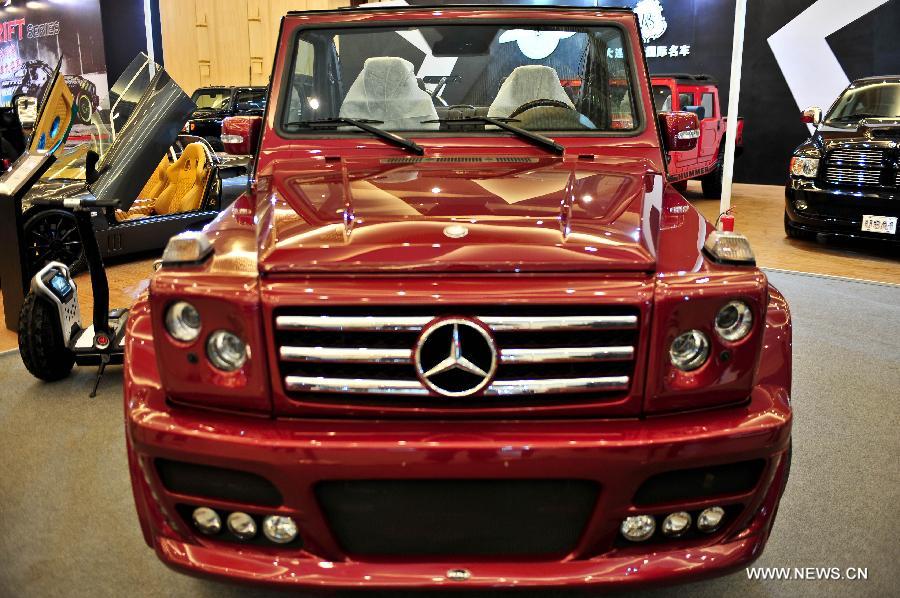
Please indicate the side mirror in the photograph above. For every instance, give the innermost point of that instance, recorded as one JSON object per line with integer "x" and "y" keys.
{"x": 240, "y": 134}
{"x": 680, "y": 130}
{"x": 700, "y": 111}
{"x": 811, "y": 116}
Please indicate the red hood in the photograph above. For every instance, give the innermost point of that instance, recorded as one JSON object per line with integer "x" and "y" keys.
{"x": 459, "y": 214}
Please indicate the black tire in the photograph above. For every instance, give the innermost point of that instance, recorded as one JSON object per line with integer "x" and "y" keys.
{"x": 712, "y": 183}
{"x": 85, "y": 108}
{"x": 52, "y": 236}
{"x": 215, "y": 143}
{"x": 796, "y": 233}
{"x": 41, "y": 341}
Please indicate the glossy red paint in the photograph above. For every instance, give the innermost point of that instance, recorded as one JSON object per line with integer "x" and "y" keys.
{"x": 247, "y": 128}
{"x": 352, "y": 221}
{"x": 680, "y": 130}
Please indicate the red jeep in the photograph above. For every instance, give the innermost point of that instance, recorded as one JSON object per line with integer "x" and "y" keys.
{"x": 461, "y": 331}
{"x": 698, "y": 94}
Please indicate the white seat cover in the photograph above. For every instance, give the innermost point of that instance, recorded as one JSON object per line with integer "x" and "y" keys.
{"x": 526, "y": 84}
{"x": 387, "y": 90}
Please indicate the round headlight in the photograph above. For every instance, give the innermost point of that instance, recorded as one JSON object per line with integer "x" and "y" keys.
{"x": 183, "y": 322}
{"x": 676, "y": 524}
{"x": 734, "y": 321}
{"x": 226, "y": 350}
{"x": 689, "y": 350}
{"x": 638, "y": 528}
{"x": 242, "y": 525}
{"x": 207, "y": 521}
{"x": 280, "y": 529}
{"x": 710, "y": 519}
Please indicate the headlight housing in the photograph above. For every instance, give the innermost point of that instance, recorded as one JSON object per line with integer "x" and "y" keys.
{"x": 802, "y": 166}
{"x": 689, "y": 350}
{"x": 226, "y": 351}
{"x": 734, "y": 321}
{"x": 183, "y": 322}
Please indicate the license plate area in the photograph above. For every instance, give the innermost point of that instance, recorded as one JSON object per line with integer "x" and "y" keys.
{"x": 886, "y": 225}
{"x": 458, "y": 518}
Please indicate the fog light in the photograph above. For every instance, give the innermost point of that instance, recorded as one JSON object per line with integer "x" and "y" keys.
{"x": 207, "y": 521}
{"x": 638, "y": 528}
{"x": 242, "y": 525}
{"x": 183, "y": 322}
{"x": 689, "y": 351}
{"x": 801, "y": 205}
{"x": 226, "y": 350}
{"x": 279, "y": 529}
{"x": 710, "y": 519}
{"x": 676, "y": 524}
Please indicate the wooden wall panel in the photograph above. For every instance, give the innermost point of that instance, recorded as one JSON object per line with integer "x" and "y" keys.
{"x": 225, "y": 42}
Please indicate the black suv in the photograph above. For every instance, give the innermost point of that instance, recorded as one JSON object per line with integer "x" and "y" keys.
{"x": 215, "y": 104}
{"x": 845, "y": 179}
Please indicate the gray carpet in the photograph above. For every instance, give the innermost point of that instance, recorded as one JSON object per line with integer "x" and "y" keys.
{"x": 69, "y": 528}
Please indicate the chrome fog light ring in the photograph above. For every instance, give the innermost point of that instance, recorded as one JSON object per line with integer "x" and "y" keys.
{"x": 280, "y": 529}
{"x": 676, "y": 524}
{"x": 242, "y": 525}
{"x": 710, "y": 519}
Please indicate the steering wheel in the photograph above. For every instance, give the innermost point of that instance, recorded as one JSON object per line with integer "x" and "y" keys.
{"x": 539, "y": 103}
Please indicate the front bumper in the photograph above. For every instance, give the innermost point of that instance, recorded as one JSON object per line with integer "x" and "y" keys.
{"x": 839, "y": 211}
{"x": 619, "y": 455}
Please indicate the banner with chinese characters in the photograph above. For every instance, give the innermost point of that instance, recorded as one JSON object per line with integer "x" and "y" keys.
{"x": 37, "y": 34}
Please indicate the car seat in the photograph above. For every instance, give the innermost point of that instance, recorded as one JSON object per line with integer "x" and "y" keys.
{"x": 173, "y": 188}
{"x": 527, "y": 84}
{"x": 387, "y": 90}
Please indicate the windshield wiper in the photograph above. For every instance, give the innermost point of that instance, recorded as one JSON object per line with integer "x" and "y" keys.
{"x": 366, "y": 125}
{"x": 503, "y": 123}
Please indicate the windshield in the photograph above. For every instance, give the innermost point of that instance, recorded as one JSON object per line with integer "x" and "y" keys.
{"x": 867, "y": 100}
{"x": 250, "y": 99}
{"x": 544, "y": 78}
{"x": 212, "y": 99}
{"x": 662, "y": 98}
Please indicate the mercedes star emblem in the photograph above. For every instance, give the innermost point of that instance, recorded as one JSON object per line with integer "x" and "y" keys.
{"x": 456, "y": 357}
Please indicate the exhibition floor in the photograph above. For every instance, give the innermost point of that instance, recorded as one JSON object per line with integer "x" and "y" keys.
{"x": 71, "y": 530}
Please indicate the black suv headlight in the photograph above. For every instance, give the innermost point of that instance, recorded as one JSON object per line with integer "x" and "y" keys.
{"x": 805, "y": 167}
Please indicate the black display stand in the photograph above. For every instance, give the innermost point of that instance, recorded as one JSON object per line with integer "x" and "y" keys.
{"x": 14, "y": 276}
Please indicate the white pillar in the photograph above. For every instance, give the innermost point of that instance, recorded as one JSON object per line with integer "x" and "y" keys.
{"x": 734, "y": 96}
{"x": 148, "y": 26}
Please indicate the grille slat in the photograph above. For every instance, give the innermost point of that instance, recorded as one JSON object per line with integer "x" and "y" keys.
{"x": 855, "y": 166}
{"x": 541, "y": 352}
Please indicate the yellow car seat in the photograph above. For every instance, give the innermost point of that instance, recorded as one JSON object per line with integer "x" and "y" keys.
{"x": 187, "y": 182}
{"x": 173, "y": 188}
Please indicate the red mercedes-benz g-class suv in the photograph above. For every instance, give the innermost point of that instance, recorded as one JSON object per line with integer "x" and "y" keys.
{"x": 698, "y": 94}
{"x": 460, "y": 331}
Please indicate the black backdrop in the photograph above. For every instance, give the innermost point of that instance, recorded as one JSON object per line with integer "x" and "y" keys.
{"x": 772, "y": 126}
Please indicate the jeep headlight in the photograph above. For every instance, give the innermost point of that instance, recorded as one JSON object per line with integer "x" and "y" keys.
{"x": 734, "y": 321}
{"x": 689, "y": 350}
{"x": 183, "y": 322}
{"x": 226, "y": 351}
{"x": 802, "y": 166}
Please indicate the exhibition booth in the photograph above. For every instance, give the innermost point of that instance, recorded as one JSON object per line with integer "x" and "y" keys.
{"x": 415, "y": 296}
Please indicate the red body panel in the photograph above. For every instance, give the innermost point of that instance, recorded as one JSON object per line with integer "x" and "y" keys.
{"x": 704, "y": 158}
{"x": 341, "y": 223}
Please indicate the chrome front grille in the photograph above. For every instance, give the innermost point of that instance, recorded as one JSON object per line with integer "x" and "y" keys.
{"x": 540, "y": 352}
{"x": 855, "y": 166}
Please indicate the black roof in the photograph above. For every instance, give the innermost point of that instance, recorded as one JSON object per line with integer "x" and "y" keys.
{"x": 695, "y": 78}
{"x": 466, "y": 4}
{"x": 893, "y": 78}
